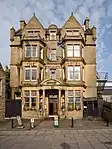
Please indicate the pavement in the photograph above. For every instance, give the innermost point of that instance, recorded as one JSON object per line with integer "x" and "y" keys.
{"x": 56, "y": 139}
{"x": 84, "y": 124}
{"x": 85, "y": 134}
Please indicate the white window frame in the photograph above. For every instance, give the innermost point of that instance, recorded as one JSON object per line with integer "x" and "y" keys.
{"x": 30, "y": 68}
{"x": 33, "y": 68}
{"x": 72, "y": 32}
{"x": 74, "y": 49}
{"x": 30, "y": 96}
{"x": 31, "y": 51}
{"x": 27, "y": 68}
{"x": 33, "y": 33}
{"x": 73, "y": 97}
{"x": 73, "y": 69}
{"x": 26, "y": 50}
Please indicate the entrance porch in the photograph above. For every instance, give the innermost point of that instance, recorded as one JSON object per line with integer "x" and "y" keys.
{"x": 52, "y": 102}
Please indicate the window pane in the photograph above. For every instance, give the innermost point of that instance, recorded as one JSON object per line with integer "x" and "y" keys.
{"x": 76, "y": 50}
{"x": 33, "y": 99}
{"x": 70, "y": 50}
{"x": 71, "y": 99}
{"x": 28, "y": 51}
{"x": 27, "y": 74}
{"x": 70, "y": 73}
{"x": 76, "y": 33}
{"x": 27, "y": 104}
{"x": 77, "y": 68}
{"x": 30, "y": 33}
{"x": 41, "y": 52}
{"x": 69, "y": 32}
{"x": 53, "y": 54}
{"x": 27, "y": 93}
{"x": 34, "y": 51}
{"x": 34, "y": 74}
{"x": 52, "y": 35}
{"x": 27, "y": 99}
{"x": 78, "y": 93}
{"x": 77, "y": 76}
{"x": 70, "y": 93}
{"x": 33, "y": 93}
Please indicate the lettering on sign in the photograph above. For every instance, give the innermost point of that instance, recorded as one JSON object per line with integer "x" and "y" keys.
{"x": 31, "y": 64}
{"x": 53, "y": 96}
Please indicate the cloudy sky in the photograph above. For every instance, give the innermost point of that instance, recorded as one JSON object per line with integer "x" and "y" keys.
{"x": 57, "y": 12}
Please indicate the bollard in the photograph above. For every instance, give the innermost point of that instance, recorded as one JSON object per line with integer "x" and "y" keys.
{"x": 12, "y": 123}
{"x": 107, "y": 123}
{"x": 32, "y": 123}
{"x": 72, "y": 123}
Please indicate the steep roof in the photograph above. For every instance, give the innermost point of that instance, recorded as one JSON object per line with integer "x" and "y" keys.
{"x": 72, "y": 22}
{"x": 34, "y": 23}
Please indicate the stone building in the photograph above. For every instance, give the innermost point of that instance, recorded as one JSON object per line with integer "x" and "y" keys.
{"x": 53, "y": 69}
{"x": 2, "y": 93}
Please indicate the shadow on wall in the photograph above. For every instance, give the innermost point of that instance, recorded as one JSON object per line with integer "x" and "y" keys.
{"x": 65, "y": 146}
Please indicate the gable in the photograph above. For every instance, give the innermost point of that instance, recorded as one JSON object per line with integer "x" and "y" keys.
{"x": 72, "y": 23}
{"x": 34, "y": 23}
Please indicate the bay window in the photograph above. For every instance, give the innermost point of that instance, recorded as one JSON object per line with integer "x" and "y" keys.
{"x": 73, "y": 72}
{"x": 30, "y": 74}
{"x": 73, "y": 50}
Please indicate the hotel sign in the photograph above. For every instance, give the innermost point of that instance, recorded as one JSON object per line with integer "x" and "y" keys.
{"x": 53, "y": 96}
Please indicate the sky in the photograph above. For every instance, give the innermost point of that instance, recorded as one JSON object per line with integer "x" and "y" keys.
{"x": 57, "y": 12}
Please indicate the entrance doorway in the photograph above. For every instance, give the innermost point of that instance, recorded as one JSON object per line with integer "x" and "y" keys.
{"x": 53, "y": 102}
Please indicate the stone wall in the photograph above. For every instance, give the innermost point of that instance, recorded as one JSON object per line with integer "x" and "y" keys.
{"x": 2, "y": 93}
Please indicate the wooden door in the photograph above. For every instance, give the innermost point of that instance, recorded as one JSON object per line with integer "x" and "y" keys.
{"x": 55, "y": 105}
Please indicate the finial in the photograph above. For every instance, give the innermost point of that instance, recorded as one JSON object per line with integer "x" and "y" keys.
{"x": 34, "y": 14}
{"x": 71, "y": 13}
{"x": 87, "y": 18}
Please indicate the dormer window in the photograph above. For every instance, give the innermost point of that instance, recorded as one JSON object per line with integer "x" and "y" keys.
{"x": 72, "y": 33}
{"x": 52, "y": 35}
{"x": 33, "y": 33}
